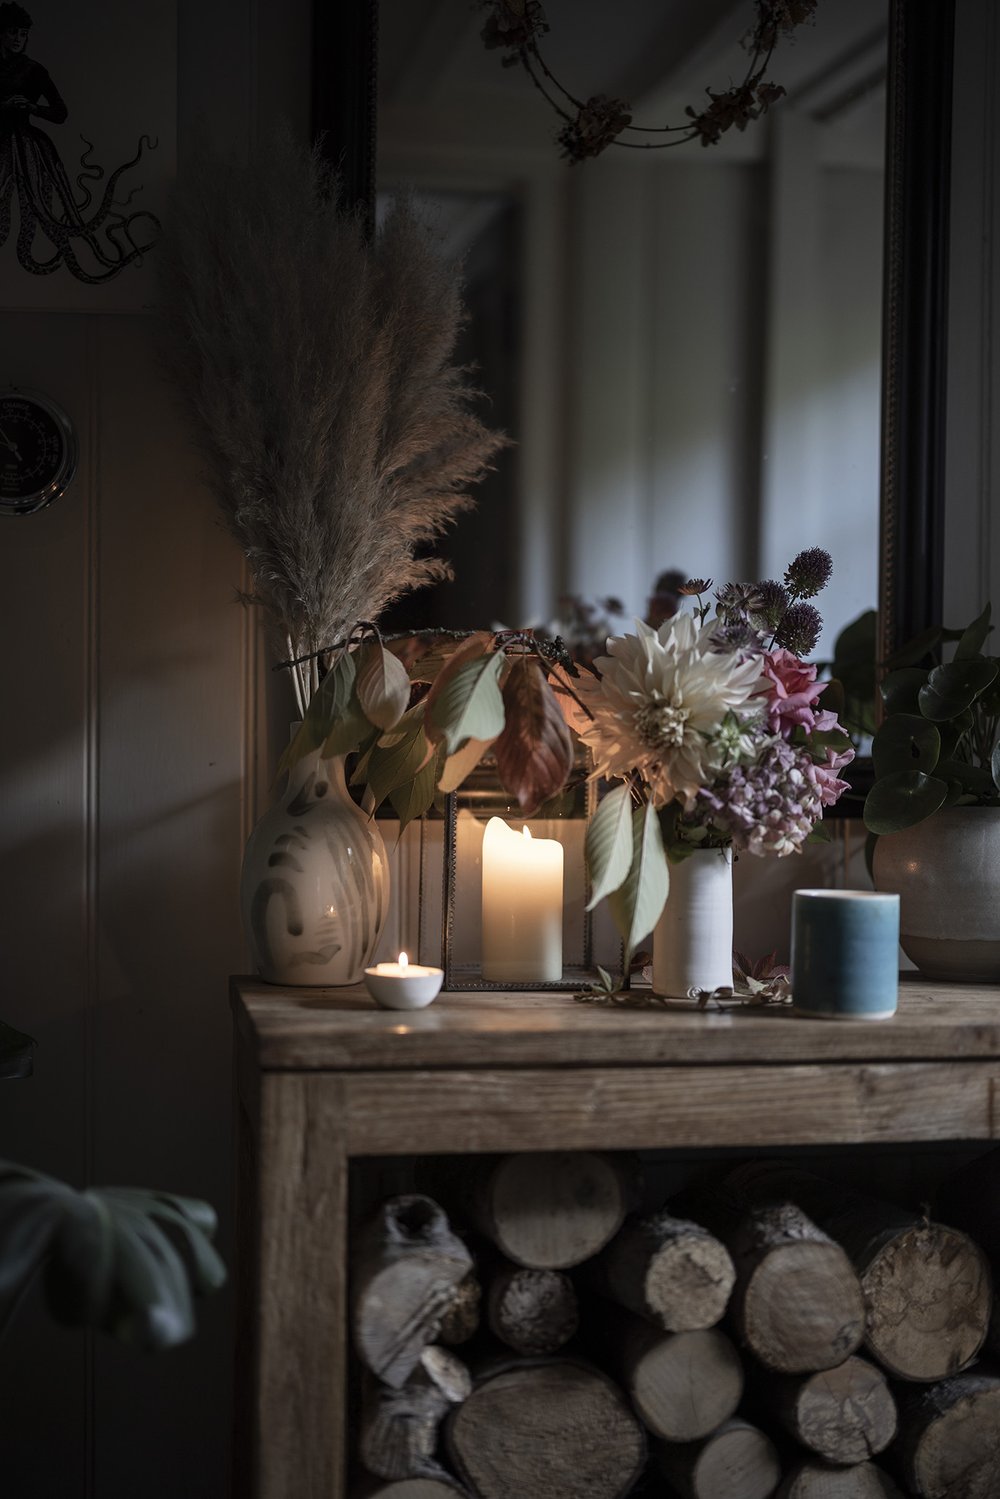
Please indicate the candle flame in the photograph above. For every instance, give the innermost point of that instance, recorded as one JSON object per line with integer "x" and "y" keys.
{"x": 526, "y": 831}
{"x": 403, "y": 960}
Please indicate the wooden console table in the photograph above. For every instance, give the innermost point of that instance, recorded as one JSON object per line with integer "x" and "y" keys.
{"x": 323, "y": 1077}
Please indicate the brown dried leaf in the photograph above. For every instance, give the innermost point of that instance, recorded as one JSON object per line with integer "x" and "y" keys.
{"x": 534, "y": 753}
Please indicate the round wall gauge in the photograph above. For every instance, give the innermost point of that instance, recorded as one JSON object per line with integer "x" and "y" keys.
{"x": 37, "y": 452}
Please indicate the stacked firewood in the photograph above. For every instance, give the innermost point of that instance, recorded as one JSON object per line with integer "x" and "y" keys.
{"x": 768, "y": 1334}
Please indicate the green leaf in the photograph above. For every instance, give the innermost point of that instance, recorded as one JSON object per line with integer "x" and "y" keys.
{"x": 900, "y": 689}
{"x": 637, "y": 903}
{"x": 952, "y": 689}
{"x": 972, "y": 778}
{"x": 417, "y": 797}
{"x": 396, "y": 761}
{"x": 79, "y": 1275}
{"x": 151, "y": 1303}
{"x": 608, "y": 844}
{"x": 905, "y": 741}
{"x": 469, "y": 705}
{"x": 194, "y": 1222}
{"x": 902, "y": 799}
{"x": 15, "y": 1053}
{"x": 31, "y": 1209}
{"x": 995, "y": 764}
{"x": 974, "y": 638}
{"x": 382, "y": 685}
{"x": 333, "y": 720}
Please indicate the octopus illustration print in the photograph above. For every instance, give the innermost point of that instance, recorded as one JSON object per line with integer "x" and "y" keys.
{"x": 86, "y": 228}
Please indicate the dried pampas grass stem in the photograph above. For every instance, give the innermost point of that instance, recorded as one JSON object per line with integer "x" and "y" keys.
{"x": 316, "y": 369}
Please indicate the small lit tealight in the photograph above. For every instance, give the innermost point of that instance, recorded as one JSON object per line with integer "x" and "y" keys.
{"x": 403, "y": 985}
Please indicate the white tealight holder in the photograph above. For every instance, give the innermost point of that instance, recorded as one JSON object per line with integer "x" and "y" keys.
{"x": 403, "y": 985}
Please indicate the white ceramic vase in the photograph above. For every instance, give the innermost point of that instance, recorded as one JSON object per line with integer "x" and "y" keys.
{"x": 946, "y": 872}
{"x": 315, "y": 886}
{"x": 693, "y": 939}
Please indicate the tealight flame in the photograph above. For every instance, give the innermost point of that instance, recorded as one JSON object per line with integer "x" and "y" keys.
{"x": 526, "y": 831}
{"x": 403, "y": 960}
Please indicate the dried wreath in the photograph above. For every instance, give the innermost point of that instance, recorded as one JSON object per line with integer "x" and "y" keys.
{"x": 515, "y": 27}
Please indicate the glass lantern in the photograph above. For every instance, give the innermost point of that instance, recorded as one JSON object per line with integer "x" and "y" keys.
{"x": 511, "y": 913}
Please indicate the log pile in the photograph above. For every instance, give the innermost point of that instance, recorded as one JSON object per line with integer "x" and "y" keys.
{"x": 766, "y": 1336}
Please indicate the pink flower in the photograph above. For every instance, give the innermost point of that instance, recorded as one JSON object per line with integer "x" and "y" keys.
{"x": 793, "y": 692}
{"x": 824, "y": 776}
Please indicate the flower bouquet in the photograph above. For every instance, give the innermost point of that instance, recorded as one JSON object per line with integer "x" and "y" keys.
{"x": 710, "y": 726}
{"x": 713, "y": 724}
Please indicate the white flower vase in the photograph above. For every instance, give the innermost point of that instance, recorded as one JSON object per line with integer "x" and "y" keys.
{"x": 314, "y": 891}
{"x": 693, "y": 939}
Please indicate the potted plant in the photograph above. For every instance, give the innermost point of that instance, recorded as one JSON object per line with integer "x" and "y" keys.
{"x": 125, "y": 1260}
{"x": 932, "y": 810}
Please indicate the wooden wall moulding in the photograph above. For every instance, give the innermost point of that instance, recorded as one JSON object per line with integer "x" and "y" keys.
{"x": 323, "y": 1078}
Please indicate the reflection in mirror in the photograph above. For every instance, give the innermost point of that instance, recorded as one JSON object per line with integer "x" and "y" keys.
{"x": 684, "y": 343}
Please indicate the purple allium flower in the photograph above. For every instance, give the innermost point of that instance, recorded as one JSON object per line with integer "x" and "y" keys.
{"x": 769, "y": 807}
{"x": 809, "y": 572}
{"x": 799, "y": 630}
{"x": 773, "y": 599}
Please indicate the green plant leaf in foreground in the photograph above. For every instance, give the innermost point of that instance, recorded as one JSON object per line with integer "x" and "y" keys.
{"x": 107, "y": 1261}
{"x": 902, "y": 799}
{"x": 16, "y": 1051}
{"x": 905, "y": 741}
{"x": 469, "y": 704}
{"x": 609, "y": 844}
{"x": 637, "y": 903}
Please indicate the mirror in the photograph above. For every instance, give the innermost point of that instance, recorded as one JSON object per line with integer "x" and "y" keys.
{"x": 683, "y": 343}
{"x": 919, "y": 58}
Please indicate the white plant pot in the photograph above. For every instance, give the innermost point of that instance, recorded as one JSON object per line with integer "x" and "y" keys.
{"x": 946, "y": 872}
{"x": 314, "y": 892}
{"x": 693, "y": 939}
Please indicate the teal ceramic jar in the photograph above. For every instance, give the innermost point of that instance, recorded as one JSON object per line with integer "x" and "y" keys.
{"x": 845, "y": 954}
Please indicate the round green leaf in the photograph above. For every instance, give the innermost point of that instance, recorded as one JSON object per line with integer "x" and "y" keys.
{"x": 900, "y": 688}
{"x": 953, "y": 688}
{"x": 905, "y": 741}
{"x": 903, "y": 799}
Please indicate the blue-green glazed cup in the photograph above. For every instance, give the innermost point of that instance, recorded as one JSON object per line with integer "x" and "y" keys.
{"x": 845, "y": 954}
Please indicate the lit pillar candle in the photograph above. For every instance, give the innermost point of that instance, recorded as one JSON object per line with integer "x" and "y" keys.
{"x": 522, "y": 906}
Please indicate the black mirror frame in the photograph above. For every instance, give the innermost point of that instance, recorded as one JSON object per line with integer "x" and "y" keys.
{"x": 915, "y": 278}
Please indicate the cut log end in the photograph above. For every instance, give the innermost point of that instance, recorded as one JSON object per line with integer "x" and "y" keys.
{"x": 736, "y": 1462}
{"x": 929, "y": 1300}
{"x": 689, "y": 1282}
{"x": 547, "y": 1430}
{"x": 535, "y": 1312}
{"x": 553, "y": 1210}
{"x": 685, "y": 1385}
{"x": 819, "y": 1481}
{"x": 949, "y": 1443}
{"x": 802, "y": 1308}
{"x": 844, "y": 1415}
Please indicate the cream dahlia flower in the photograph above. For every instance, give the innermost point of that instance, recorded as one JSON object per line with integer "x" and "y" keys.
{"x": 660, "y": 704}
